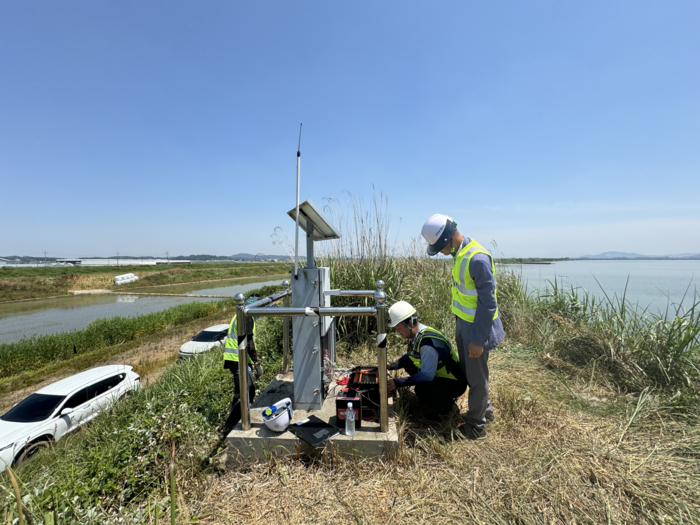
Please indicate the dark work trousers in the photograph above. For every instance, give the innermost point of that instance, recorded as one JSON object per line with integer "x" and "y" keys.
{"x": 477, "y": 371}
{"x": 235, "y": 416}
{"x": 439, "y": 394}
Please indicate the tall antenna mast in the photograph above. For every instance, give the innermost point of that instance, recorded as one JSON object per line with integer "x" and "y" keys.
{"x": 296, "y": 241}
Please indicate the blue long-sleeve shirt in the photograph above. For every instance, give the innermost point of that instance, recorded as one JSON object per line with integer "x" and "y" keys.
{"x": 428, "y": 364}
{"x": 485, "y": 330}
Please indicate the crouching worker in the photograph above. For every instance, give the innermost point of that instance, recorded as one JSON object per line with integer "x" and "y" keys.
{"x": 431, "y": 361}
{"x": 231, "y": 363}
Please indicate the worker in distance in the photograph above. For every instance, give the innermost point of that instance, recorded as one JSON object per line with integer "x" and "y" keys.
{"x": 431, "y": 361}
{"x": 474, "y": 303}
{"x": 231, "y": 363}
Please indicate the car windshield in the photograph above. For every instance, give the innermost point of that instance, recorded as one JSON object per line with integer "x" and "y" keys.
{"x": 36, "y": 407}
{"x": 208, "y": 337}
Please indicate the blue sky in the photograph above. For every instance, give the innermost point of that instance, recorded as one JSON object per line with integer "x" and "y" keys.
{"x": 553, "y": 128}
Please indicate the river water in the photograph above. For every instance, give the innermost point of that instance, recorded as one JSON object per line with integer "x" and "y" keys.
{"x": 651, "y": 285}
{"x": 64, "y": 314}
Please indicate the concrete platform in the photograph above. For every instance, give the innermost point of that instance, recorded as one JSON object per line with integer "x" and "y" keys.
{"x": 259, "y": 442}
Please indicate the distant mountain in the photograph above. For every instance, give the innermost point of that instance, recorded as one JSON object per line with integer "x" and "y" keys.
{"x": 627, "y": 255}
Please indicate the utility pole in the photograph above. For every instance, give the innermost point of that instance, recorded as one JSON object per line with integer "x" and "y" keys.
{"x": 44, "y": 258}
{"x": 167, "y": 254}
{"x": 117, "y": 258}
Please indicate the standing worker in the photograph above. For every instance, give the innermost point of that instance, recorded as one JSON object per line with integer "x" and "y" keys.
{"x": 479, "y": 329}
{"x": 431, "y": 361}
{"x": 231, "y": 363}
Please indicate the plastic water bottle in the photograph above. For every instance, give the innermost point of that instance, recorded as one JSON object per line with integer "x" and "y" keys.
{"x": 350, "y": 420}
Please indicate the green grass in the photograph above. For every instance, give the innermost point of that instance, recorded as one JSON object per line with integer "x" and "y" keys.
{"x": 633, "y": 349}
{"x": 121, "y": 458}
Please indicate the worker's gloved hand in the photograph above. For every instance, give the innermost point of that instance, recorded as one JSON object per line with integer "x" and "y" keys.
{"x": 258, "y": 370}
{"x": 388, "y": 366}
{"x": 390, "y": 386}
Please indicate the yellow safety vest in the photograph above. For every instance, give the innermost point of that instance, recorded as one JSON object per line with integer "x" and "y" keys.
{"x": 431, "y": 333}
{"x": 231, "y": 346}
{"x": 464, "y": 297}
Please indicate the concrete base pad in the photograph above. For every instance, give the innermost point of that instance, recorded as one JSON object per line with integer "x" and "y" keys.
{"x": 260, "y": 442}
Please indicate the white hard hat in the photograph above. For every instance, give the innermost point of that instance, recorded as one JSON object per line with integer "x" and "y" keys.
{"x": 438, "y": 231}
{"x": 400, "y": 312}
{"x": 278, "y": 416}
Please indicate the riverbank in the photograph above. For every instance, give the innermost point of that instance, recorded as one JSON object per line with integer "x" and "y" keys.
{"x": 43, "y": 282}
{"x": 39, "y": 360}
{"x": 575, "y": 440}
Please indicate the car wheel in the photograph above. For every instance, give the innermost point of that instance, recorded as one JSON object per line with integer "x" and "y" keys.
{"x": 30, "y": 450}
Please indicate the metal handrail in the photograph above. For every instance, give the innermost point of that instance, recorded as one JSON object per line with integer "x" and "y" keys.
{"x": 257, "y": 310}
{"x": 268, "y": 300}
{"x": 350, "y": 293}
{"x": 311, "y": 312}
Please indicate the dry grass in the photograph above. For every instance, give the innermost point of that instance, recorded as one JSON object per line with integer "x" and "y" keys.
{"x": 562, "y": 451}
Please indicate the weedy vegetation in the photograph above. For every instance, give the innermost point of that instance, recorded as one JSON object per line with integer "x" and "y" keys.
{"x": 596, "y": 407}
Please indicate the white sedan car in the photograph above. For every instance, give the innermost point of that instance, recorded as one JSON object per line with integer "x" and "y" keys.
{"x": 59, "y": 408}
{"x": 204, "y": 341}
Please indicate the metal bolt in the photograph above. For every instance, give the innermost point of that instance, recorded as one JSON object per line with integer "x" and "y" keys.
{"x": 285, "y": 284}
{"x": 239, "y": 298}
{"x": 380, "y": 284}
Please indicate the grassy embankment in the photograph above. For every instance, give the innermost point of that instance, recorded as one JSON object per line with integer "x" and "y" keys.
{"x": 597, "y": 414}
{"x": 30, "y": 360}
{"x": 38, "y": 282}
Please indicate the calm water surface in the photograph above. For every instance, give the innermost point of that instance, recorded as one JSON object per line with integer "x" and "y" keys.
{"x": 50, "y": 316}
{"x": 652, "y": 284}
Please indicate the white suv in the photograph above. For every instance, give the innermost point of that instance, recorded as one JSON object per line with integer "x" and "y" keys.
{"x": 204, "y": 341}
{"x": 59, "y": 408}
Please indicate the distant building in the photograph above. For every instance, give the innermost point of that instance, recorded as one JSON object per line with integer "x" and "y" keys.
{"x": 119, "y": 262}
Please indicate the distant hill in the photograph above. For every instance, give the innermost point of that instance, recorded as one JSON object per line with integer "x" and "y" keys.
{"x": 627, "y": 255}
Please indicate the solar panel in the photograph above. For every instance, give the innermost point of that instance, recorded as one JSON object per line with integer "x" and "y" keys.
{"x": 309, "y": 214}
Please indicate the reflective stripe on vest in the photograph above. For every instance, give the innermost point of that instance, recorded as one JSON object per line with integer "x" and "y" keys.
{"x": 414, "y": 352}
{"x": 464, "y": 294}
{"x": 231, "y": 346}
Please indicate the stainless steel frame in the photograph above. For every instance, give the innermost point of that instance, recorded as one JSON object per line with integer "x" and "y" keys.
{"x": 257, "y": 309}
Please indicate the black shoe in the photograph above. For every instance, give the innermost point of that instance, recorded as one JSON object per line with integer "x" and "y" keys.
{"x": 490, "y": 418}
{"x": 472, "y": 433}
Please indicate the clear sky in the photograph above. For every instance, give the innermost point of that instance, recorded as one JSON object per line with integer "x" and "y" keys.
{"x": 555, "y": 128}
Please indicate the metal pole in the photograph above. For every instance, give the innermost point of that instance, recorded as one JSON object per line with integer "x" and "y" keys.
{"x": 310, "y": 245}
{"x": 350, "y": 293}
{"x": 296, "y": 241}
{"x": 285, "y": 361}
{"x": 243, "y": 360}
{"x": 380, "y": 298}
